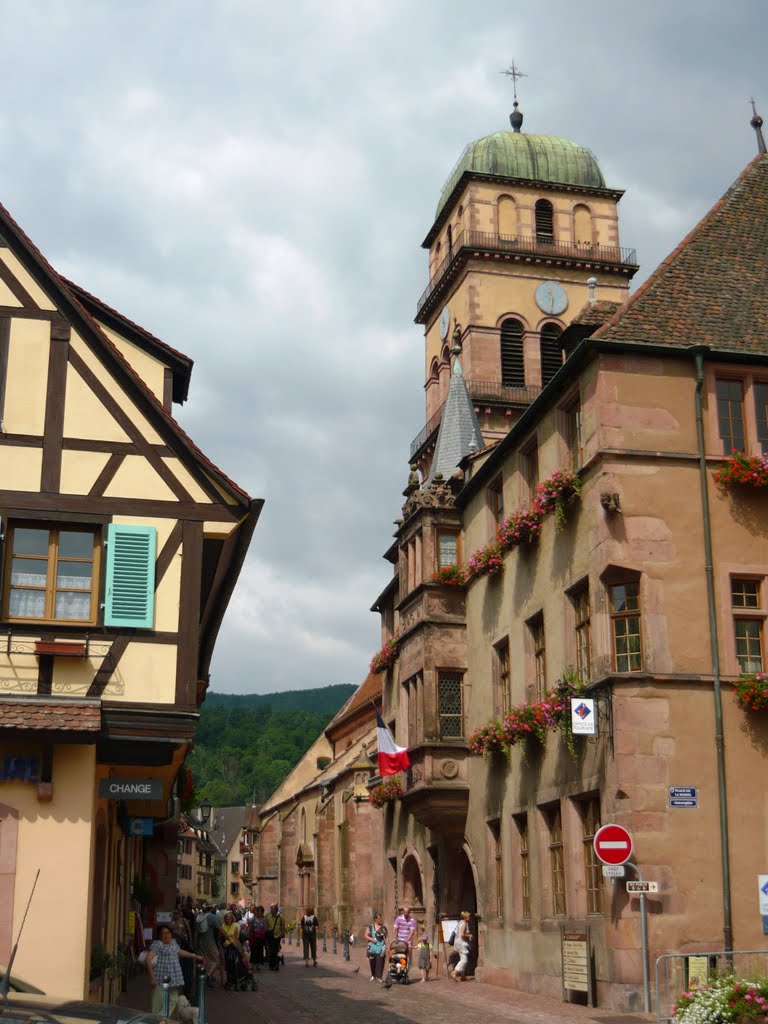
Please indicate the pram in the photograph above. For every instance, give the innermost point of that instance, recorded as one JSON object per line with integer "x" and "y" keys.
{"x": 240, "y": 975}
{"x": 399, "y": 962}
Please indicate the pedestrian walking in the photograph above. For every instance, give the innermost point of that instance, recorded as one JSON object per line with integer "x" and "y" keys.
{"x": 275, "y": 930}
{"x": 257, "y": 937}
{"x": 206, "y": 944}
{"x": 182, "y": 933}
{"x": 376, "y": 936}
{"x": 405, "y": 929}
{"x": 424, "y": 952}
{"x": 230, "y": 931}
{"x": 461, "y": 945}
{"x": 309, "y": 926}
{"x": 163, "y": 962}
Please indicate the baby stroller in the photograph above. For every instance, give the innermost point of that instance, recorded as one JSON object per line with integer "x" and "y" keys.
{"x": 399, "y": 962}
{"x": 240, "y": 974}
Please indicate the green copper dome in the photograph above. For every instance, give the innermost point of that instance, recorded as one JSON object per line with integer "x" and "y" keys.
{"x": 532, "y": 157}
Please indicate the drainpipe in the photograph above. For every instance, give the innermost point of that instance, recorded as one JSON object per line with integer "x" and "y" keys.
{"x": 699, "y": 353}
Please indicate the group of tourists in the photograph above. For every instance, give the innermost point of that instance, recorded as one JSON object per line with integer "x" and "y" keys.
{"x": 404, "y": 947}
{"x": 231, "y": 942}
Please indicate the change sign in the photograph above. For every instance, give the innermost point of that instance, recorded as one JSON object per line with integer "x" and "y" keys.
{"x": 131, "y": 789}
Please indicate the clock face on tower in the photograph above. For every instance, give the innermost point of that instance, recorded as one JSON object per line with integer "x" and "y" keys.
{"x": 445, "y": 322}
{"x": 551, "y": 298}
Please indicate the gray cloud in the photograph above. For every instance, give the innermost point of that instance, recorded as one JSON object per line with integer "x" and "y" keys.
{"x": 252, "y": 183}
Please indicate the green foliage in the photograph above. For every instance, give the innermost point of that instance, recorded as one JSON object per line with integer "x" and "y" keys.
{"x": 248, "y": 744}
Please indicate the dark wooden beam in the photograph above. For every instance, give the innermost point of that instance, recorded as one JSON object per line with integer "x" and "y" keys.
{"x": 189, "y": 612}
{"x": 84, "y": 505}
{"x": 53, "y": 430}
{"x": 106, "y": 476}
{"x": 5, "y": 342}
{"x": 16, "y": 287}
{"x": 130, "y": 428}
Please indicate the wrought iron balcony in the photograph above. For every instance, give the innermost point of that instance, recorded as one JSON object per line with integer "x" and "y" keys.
{"x": 483, "y": 390}
{"x": 492, "y": 242}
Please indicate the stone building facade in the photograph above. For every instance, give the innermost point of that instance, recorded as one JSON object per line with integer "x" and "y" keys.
{"x": 650, "y": 593}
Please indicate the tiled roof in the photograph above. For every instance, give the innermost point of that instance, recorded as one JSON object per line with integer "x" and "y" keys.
{"x": 713, "y": 289}
{"x": 251, "y": 819}
{"x": 67, "y": 716}
{"x": 367, "y": 693}
{"x": 459, "y": 429}
{"x": 597, "y": 314}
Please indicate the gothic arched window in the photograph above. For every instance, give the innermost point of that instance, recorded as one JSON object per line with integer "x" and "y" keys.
{"x": 545, "y": 221}
{"x": 551, "y": 353}
{"x": 512, "y": 361}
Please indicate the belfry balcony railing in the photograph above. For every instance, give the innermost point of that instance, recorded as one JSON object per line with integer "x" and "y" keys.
{"x": 483, "y": 390}
{"x": 490, "y": 241}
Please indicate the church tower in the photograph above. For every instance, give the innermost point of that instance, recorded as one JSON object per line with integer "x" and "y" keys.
{"x": 525, "y": 234}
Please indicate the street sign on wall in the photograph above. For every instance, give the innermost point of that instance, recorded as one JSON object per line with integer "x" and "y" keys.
{"x": 613, "y": 844}
{"x": 642, "y": 886}
{"x": 683, "y": 796}
{"x": 614, "y": 871}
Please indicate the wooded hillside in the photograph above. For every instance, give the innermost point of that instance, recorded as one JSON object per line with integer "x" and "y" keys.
{"x": 245, "y": 745}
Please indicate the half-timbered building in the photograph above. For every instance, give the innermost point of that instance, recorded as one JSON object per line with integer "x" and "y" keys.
{"x": 121, "y": 545}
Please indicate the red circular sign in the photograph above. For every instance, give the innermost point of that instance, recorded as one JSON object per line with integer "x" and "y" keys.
{"x": 613, "y": 844}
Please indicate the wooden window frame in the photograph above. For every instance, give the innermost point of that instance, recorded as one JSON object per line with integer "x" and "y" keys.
{"x": 501, "y": 676}
{"x": 589, "y": 813}
{"x": 625, "y": 615}
{"x": 528, "y": 463}
{"x": 54, "y": 528}
{"x": 582, "y": 627}
{"x": 553, "y": 817}
{"x": 761, "y": 421}
{"x": 495, "y": 501}
{"x": 744, "y": 613}
{"x": 494, "y": 828}
{"x": 727, "y": 415}
{"x": 572, "y": 431}
{"x": 524, "y": 853}
{"x": 537, "y": 637}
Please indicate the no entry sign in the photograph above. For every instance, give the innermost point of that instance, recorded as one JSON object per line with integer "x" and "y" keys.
{"x": 613, "y": 844}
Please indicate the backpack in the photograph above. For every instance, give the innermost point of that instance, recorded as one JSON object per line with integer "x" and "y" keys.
{"x": 452, "y": 937}
{"x": 202, "y": 923}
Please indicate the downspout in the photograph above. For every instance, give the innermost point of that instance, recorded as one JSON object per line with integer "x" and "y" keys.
{"x": 699, "y": 353}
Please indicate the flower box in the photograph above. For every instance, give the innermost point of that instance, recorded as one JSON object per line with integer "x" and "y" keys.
{"x": 61, "y": 648}
{"x": 752, "y": 691}
{"x": 386, "y": 657}
{"x": 742, "y": 470}
{"x": 386, "y": 793}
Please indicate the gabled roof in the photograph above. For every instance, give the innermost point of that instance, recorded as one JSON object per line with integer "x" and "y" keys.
{"x": 226, "y": 824}
{"x": 73, "y": 309}
{"x": 364, "y": 696}
{"x": 459, "y": 431}
{"x": 180, "y": 364}
{"x": 713, "y": 288}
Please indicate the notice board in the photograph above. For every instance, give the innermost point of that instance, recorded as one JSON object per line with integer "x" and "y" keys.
{"x": 576, "y": 960}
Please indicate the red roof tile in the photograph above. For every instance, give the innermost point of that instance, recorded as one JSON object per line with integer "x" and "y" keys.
{"x": 713, "y": 289}
{"x": 41, "y": 714}
{"x": 368, "y": 693}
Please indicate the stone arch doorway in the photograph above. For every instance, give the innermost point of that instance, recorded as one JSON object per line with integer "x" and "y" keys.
{"x": 413, "y": 888}
{"x": 9, "y": 830}
{"x": 459, "y": 894}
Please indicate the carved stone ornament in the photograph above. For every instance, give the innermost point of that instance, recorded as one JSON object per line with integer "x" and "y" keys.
{"x": 449, "y": 769}
{"x": 440, "y": 494}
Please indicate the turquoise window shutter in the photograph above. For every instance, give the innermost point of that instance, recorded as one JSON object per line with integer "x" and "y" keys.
{"x": 130, "y": 589}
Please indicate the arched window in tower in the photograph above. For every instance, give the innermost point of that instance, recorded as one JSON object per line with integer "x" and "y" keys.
{"x": 582, "y": 225}
{"x": 507, "y": 217}
{"x": 551, "y": 353}
{"x": 512, "y": 362}
{"x": 545, "y": 221}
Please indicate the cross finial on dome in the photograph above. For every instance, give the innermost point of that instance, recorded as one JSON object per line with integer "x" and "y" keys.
{"x": 515, "y": 118}
{"x": 757, "y": 123}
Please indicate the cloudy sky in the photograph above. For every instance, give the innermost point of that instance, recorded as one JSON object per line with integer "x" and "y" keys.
{"x": 252, "y": 181}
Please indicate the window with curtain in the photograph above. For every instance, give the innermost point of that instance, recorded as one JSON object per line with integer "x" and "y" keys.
{"x": 52, "y": 573}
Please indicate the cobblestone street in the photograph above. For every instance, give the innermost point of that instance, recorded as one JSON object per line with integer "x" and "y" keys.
{"x": 337, "y": 992}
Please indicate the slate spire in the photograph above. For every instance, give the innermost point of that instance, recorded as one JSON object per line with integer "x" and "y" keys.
{"x": 459, "y": 432}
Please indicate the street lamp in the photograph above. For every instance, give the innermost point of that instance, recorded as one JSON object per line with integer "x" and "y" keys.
{"x": 205, "y": 811}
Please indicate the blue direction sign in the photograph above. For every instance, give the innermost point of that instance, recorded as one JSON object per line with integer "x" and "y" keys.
{"x": 683, "y": 796}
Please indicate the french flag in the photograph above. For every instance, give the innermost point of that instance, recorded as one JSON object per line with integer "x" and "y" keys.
{"x": 392, "y": 759}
